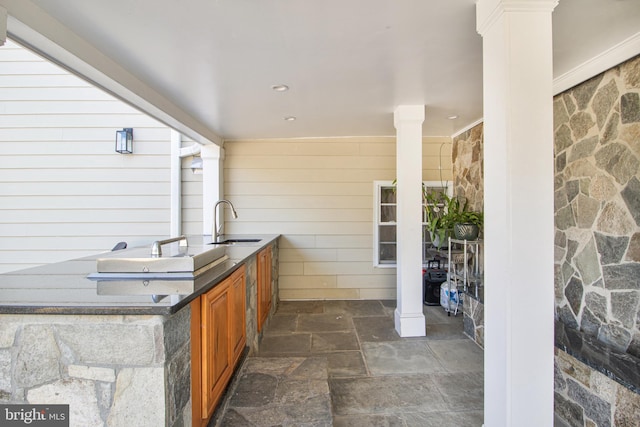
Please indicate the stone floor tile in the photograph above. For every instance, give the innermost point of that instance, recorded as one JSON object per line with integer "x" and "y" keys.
{"x": 462, "y": 390}
{"x": 385, "y": 395}
{"x": 400, "y": 357}
{"x": 296, "y": 344}
{"x": 356, "y": 308}
{"x": 445, "y": 419}
{"x": 382, "y": 380}
{"x": 322, "y": 342}
{"x": 297, "y": 307}
{"x": 299, "y": 391}
{"x": 436, "y": 314}
{"x": 375, "y": 329}
{"x": 368, "y": 421}
{"x": 257, "y": 417}
{"x": 458, "y": 355}
{"x": 233, "y": 419}
{"x": 277, "y": 366}
{"x": 282, "y": 324}
{"x": 315, "y": 411}
{"x": 310, "y": 368}
{"x": 389, "y": 306}
{"x": 389, "y": 303}
{"x": 346, "y": 364}
{"x": 254, "y": 389}
{"x": 444, "y": 331}
{"x": 324, "y": 323}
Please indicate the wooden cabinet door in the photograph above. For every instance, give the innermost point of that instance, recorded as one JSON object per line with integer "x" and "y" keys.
{"x": 264, "y": 285}
{"x": 237, "y": 334}
{"x": 216, "y": 354}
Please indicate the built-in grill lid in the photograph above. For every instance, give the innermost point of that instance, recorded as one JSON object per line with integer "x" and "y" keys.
{"x": 174, "y": 257}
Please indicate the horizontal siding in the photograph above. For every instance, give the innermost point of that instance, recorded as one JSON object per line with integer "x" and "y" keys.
{"x": 64, "y": 191}
{"x": 318, "y": 194}
{"x": 61, "y": 216}
{"x": 68, "y": 188}
{"x": 93, "y": 201}
{"x": 89, "y": 175}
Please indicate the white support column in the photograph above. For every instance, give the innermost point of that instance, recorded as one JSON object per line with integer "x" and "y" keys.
{"x": 176, "y": 184}
{"x": 3, "y": 26}
{"x": 212, "y": 183}
{"x": 518, "y": 204}
{"x": 409, "y": 318}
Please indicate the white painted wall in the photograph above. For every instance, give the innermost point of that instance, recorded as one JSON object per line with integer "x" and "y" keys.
{"x": 64, "y": 191}
{"x": 318, "y": 194}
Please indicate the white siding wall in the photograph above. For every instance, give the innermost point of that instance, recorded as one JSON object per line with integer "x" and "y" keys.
{"x": 318, "y": 193}
{"x": 64, "y": 191}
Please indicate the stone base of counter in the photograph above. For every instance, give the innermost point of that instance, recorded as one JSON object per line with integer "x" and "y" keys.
{"x": 586, "y": 397}
{"x": 108, "y": 369}
{"x": 473, "y": 311}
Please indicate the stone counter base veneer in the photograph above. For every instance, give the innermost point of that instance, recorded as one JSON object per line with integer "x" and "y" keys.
{"x": 111, "y": 370}
{"x": 473, "y": 311}
{"x": 587, "y": 398}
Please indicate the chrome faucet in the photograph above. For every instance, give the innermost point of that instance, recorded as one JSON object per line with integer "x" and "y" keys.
{"x": 215, "y": 232}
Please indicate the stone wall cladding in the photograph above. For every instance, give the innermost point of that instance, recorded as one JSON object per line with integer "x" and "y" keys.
{"x": 468, "y": 166}
{"x": 585, "y": 397}
{"x": 111, "y": 370}
{"x": 597, "y": 207}
{"x": 597, "y": 249}
{"x": 468, "y": 182}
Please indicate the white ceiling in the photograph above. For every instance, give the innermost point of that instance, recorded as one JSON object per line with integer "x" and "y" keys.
{"x": 348, "y": 63}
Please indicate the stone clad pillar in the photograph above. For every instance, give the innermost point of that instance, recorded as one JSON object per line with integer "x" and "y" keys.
{"x": 409, "y": 318}
{"x": 518, "y": 203}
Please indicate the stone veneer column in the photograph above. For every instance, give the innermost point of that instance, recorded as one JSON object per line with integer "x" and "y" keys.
{"x": 518, "y": 203}
{"x": 409, "y": 318}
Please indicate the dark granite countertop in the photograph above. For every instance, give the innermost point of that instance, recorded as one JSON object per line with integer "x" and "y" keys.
{"x": 63, "y": 288}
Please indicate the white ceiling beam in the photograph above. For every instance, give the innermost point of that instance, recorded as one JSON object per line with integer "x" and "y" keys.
{"x": 32, "y": 27}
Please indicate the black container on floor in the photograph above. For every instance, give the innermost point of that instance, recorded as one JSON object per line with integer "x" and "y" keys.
{"x": 434, "y": 275}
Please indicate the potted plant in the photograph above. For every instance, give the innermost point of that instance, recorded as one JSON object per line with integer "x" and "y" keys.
{"x": 468, "y": 224}
{"x": 450, "y": 216}
{"x": 440, "y": 213}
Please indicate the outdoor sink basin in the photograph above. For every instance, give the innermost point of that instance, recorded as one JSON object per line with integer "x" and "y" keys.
{"x": 233, "y": 241}
{"x": 172, "y": 259}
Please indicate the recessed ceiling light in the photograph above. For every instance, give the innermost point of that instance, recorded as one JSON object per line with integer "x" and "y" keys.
{"x": 452, "y": 117}
{"x": 290, "y": 118}
{"x": 280, "y": 88}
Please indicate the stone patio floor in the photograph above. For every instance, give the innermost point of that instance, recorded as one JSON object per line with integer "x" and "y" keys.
{"x": 341, "y": 363}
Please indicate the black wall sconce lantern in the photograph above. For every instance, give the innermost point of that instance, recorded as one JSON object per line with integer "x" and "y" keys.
{"x": 124, "y": 141}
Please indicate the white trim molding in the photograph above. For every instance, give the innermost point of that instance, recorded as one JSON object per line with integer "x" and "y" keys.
{"x": 611, "y": 57}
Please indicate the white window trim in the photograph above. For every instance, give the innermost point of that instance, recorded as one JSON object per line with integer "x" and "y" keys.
{"x": 376, "y": 216}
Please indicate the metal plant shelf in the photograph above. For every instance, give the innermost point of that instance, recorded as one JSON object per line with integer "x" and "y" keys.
{"x": 461, "y": 276}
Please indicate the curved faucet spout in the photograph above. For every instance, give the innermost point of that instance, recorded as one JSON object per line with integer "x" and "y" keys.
{"x": 215, "y": 232}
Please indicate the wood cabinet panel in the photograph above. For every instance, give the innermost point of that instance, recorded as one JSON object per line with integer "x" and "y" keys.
{"x": 238, "y": 334}
{"x": 216, "y": 354}
{"x": 218, "y": 337}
